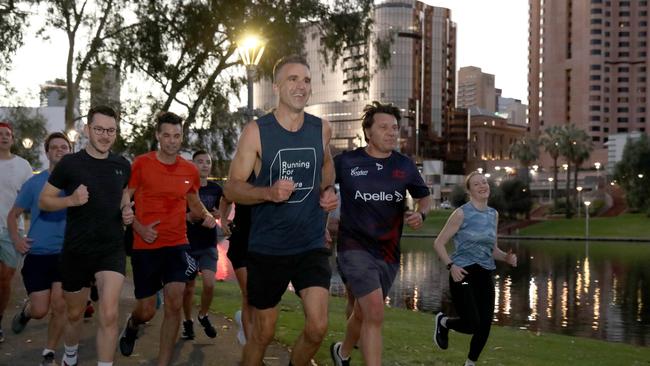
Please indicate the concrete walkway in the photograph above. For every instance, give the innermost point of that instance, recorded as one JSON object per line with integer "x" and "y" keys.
{"x": 25, "y": 348}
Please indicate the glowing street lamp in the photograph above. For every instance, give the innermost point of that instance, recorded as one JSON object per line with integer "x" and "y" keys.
{"x": 579, "y": 189}
{"x": 587, "y": 203}
{"x": 28, "y": 143}
{"x": 640, "y": 176}
{"x": 550, "y": 188}
{"x": 250, "y": 49}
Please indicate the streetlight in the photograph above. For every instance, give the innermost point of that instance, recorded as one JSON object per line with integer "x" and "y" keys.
{"x": 587, "y": 203}
{"x": 579, "y": 189}
{"x": 550, "y": 189}
{"x": 250, "y": 50}
{"x": 72, "y": 136}
{"x": 640, "y": 176}
{"x": 28, "y": 143}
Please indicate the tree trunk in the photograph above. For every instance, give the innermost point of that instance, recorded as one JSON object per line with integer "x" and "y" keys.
{"x": 555, "y": 183}
{"x": 569, "y": 209}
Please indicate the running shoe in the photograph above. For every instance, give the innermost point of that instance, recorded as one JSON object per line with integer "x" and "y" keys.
{"x": 127, "y": 338}
{"x": 19, "y": 321}
{"x": 335, "y": 352}
{"x": 48, "y": 359}
{"x": 241, "y": 336}
{"x": 188, "y": 330}
{"x": 440, "y": 332}
{"x": 207, "y": 326}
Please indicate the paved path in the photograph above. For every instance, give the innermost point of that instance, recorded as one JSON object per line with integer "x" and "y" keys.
{"x": 25, "y": 349}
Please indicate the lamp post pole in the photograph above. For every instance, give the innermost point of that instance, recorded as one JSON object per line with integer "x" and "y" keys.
{"x": 250, "y": 50}
{"x": 587, "y": 203}
{"x": 579, "y": 189}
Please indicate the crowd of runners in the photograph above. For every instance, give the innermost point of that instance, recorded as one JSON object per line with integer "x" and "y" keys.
{"x": 282, "y": 184}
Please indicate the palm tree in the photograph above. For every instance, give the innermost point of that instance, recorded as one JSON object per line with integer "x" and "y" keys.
{"x": 550, "y": 141}
{"x": 526, "y": 151}
{"x": 575, "y": 146}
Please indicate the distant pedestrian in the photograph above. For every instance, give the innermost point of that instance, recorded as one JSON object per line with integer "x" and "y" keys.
{"x": 42, "y": 249}
{"x": 92, "y": 185}
{"x": 15, "y": 172}
{"x": 473, "y": 228}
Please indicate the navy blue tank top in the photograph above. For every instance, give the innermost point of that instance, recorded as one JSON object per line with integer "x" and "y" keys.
{"x": 298, "y": 224}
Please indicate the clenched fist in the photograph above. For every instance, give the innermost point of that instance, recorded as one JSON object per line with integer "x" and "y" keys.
{"x": 80, "y": 196}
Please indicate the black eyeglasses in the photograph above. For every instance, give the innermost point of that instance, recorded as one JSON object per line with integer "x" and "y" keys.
{"x": 100, "y": 131}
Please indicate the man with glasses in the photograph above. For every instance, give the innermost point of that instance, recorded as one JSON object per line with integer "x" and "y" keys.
{"x": 94, "y": 182}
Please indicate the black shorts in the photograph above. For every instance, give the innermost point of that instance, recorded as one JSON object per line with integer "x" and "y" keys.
{"x": 154, "y": 268}
{"x": 238, "y": 249}
{"x": 269, "y": 275}
{"x": 40, "y": 272}
{"x": 78, "y": 269}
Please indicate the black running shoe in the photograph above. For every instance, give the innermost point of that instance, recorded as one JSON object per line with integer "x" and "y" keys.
{"x": 335, "y": 352}
{"x": 19, "y": 321}
{"x": 128, "y": 338}
{"x": 440, "y": 333}
{"x": 207, "y": 326}
{"x": 188, "y": 330}
{"x": 48, "y": 359}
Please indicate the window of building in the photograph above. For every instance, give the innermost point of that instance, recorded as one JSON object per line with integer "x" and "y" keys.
{"x": 606, "y": 109}
{"x": 595, "y": 128}
{"x": 596, "y": 31}
{"x": 594, "y": 108}
{"x": 623, "y": 13}
{"x": 595, "y": 41}
{"x": 595, "y": 52}
{"x": 596, "y": 21}
{"x": 624, "y": 4}
{"x": 594, "y": 87}
{"x": 643, "y": 13}
{"x": 594, "y": 98}
{"x": 623, "y": 54}
{"x": 624, "y": 44}
{"x": 623, "y": 69}
{"x": 621, "y": 119}
{"x": 641, "y": 79}
{"x": 623, "y": 34}
{"x": 621, "y": 129}
{"x": 643, "y": 23}
{"x": 643, "y": 34}
{"x": 622, "y": 109}
{"x": 596, "y": 10}
{"x": 623, "y": 24}
{"x": 641, "y": 99}
{"x": 594, "y": 118}
{"x": 623, "y": 79}
{"x": 595, "y": 138}
{"x": 595, "y": 67}
{"x": 596, "y": 1}
{"x": 642, "y": 53}
{"x": 622, "y": 99}
{"x": 623, "y": 89}
{"x": 594, "y": 77}
{"x": 640, "y": 109}
{"x": 606, "y": 129}
{"x": 641, "y": 119}
{"x": 642, "y": 44}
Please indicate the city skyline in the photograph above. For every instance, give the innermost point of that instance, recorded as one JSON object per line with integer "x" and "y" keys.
{"x": 485, "y": 39}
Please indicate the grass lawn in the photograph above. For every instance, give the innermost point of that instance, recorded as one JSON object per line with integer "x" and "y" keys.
{"x": 407, "y": 339}
{"x": 626, "y": 225}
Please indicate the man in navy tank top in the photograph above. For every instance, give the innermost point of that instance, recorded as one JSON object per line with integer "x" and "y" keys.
{"x": 288, "y": 150}
{"x": 373, "y": 182}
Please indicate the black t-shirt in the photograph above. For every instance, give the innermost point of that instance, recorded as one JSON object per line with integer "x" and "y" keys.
{"x": 97, "y": 225}
{"x": 201, "y": 237}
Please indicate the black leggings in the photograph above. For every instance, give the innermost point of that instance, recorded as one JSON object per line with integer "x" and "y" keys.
{"x": 473, "y": 299}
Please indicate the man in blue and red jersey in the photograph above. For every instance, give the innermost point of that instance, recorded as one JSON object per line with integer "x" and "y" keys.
{"x": 373, "y": 183}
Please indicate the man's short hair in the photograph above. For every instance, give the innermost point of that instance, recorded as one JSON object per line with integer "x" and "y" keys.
{"x": 7, "y": 125}
{"x": 56, "y": 135}
{"x": 168, "y": 117}
{"x": 370, "y": 110}
{"x": 200, "y": 152}
{"x": 101, "y": 109}
{"x": 291, "y": 59}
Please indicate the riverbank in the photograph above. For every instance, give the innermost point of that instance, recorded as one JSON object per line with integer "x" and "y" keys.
{"x": 407, "y": 339}
{"x": 625, "y": 227}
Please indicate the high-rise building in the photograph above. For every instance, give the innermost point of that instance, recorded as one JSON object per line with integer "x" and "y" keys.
{"x": 588, "y": 63}
{"x": 476, "y": 89}
{"x": 419, "y": 32}
{"x": 512, "y": 109}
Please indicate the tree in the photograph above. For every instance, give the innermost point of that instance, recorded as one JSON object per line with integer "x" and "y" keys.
{"x": 526, "y": 151}
{"x": 100, "y": 21}
{"x": 576, "y": 146}
{"x": 186, "y": 48}
{"x": 633, "y": 171}
{"x": 27, "y": 124}
{"x": 518, "y": 200}
{"x": 12, "y": 25}
{"x": 550, "y": 141}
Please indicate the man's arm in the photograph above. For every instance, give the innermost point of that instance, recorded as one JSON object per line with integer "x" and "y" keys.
{"x": 50, "y": 200}
{"x": 198, "y": 210}
{"x": 328, "y": 199}
{"x": 237, "y": 189}
{"x": 225, "y": 207}
{"x": 20, "y": 242}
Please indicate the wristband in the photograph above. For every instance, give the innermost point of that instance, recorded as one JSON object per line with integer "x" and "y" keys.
{"x": 328, "y": 187}
{"x": 449, "y": 265}
{"x": 424, "y": 216}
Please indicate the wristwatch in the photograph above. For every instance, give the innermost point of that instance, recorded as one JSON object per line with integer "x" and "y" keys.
{"x": 424, "y": 216}
{"x": 449, "y": 265}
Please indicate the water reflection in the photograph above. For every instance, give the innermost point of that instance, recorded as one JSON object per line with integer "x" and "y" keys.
{"x": 558, "y": 289}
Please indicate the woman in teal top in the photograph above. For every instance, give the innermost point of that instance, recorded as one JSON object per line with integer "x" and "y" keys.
{"x": 473, "y": 228}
